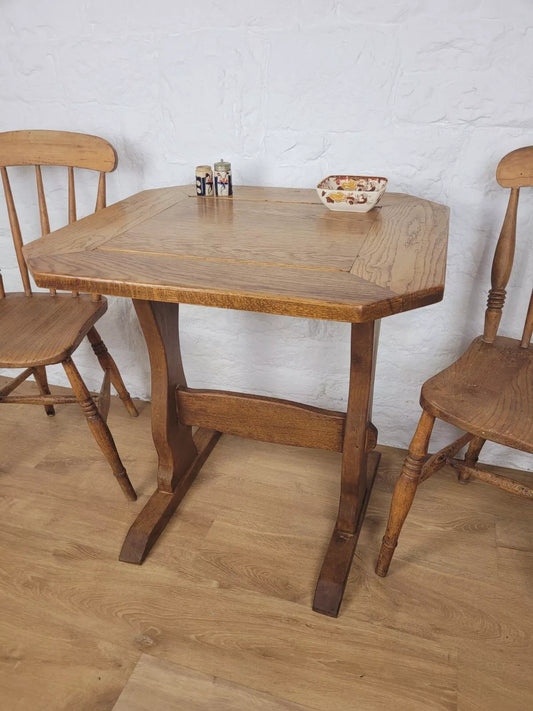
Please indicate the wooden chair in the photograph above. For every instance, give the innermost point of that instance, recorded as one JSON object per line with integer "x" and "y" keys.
{"x": 40, "y": 329}
{"x": 487, "y": 392}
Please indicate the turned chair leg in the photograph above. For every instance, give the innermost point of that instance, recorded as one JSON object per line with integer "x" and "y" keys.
{"x": 107, "y": 363}
{"x": 39, "y": 373}
{"x": 405, "y": 491}
{"x": 99, "y": 428}
{"x": 471, "y": 457}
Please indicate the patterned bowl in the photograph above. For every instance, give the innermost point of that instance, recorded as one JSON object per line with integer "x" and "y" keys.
{"x": 356, "y": 193}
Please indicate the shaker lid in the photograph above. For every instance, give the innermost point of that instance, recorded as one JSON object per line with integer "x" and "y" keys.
{"x": 223, "y": 165}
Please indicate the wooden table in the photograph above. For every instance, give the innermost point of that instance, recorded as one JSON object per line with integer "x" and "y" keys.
{"x": 271, "y": 250}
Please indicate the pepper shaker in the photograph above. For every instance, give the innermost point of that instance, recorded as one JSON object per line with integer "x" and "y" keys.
{"x": 223, "y": 186}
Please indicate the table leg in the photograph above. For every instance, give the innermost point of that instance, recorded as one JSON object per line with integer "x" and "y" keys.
{"x": 180, "y": 455}
{"x": 359, "y": 466}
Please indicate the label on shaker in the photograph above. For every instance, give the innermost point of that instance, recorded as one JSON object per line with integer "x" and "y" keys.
{"x": 204, "y": 180}
{"x": 223, "y": 186}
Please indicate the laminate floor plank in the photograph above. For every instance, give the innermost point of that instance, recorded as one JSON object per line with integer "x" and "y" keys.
{"x": 226, "y": 593}
{"x": 156, "y": 684}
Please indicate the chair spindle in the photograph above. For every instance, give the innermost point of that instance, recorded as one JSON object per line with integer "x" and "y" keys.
{"x": 528, "y": 325}
{"x": 43, "y": 212}
{"x": 71, "y": 203}
{"x": 15, "y": 231}
{"x": 501, "y": 269}
{"x": 101, "y": 197}
{"x": 71, "y": 196}
{"x": 2, "y": 290}
{"x": 100, "y": 204}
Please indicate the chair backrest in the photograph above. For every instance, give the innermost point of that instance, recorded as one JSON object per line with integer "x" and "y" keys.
{"x": 57, "y": 148}
{"x": 515, "y": 171}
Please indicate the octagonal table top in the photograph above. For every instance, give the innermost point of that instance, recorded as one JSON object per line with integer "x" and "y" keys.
{"x": 273, "y": 250}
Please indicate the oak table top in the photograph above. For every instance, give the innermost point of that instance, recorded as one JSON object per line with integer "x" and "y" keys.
{"x": 266, "y": 249}
{"x": 273, "y": 250}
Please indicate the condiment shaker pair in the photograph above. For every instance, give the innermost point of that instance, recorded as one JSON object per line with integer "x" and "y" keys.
{"x": 222, "y": 183}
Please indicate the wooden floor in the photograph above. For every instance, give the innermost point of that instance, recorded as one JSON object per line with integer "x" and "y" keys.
{"x": 225, "y": 595}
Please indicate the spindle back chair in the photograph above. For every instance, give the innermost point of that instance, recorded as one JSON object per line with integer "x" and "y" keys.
{"x": 487, "y": 392}
{"x": 39, "y": 329}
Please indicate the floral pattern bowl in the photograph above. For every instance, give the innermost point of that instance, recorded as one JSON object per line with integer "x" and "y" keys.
{"x": 356, "y": 193}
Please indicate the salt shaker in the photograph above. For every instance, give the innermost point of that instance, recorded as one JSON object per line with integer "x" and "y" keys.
{"x": 204, "y": 180}
{"x": 223, "y": 186}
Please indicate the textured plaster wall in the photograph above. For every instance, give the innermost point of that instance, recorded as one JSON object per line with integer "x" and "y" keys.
{"x": 429, "y": 94}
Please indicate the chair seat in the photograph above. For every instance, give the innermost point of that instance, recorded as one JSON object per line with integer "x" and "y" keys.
{"x": 488, "y": 392}
{"x": 43, "y": 329}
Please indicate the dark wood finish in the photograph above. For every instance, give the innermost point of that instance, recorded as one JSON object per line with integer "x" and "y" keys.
{"x": 44, "y": 329}
{"x": 355, "y": 484}
{"x": 172, "y": 439}
{"x": 487, "y": 392}
{"x": 272, "y": 250}
{"x": 338, "y": 560}
{"x": 263, "y": 418}
{"x": 151, "y": 522}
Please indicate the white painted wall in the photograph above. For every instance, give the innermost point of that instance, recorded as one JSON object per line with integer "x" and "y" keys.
{"x": 429, "y": 94}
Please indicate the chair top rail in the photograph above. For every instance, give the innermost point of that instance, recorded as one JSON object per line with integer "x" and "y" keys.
{"x": 515, "y": 170}
{"x": 43, "y": 147}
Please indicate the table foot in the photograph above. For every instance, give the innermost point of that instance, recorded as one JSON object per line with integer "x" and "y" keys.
{"x": 339, "y": 556}
{"x": 157, "y": 512}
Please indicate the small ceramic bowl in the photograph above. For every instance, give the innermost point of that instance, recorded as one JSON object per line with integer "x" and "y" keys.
{"x": 356, "y": 193}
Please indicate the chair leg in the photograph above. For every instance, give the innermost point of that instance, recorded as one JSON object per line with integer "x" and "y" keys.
{"x": 107, "y": 363}
{"x": 99, "y": 428}
{"x": 405, "y": 491}
{"x": 471, "y": 457}
{"x": 39, "y": 373}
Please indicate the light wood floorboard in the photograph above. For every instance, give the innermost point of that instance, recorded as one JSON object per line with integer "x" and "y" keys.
{"x": 227, "y": 591}
{"x": 157, "y": 684}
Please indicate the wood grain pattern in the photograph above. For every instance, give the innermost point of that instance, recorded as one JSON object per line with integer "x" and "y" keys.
{"x": 405, "y": 490}
{"x": 152, "y": 520}
{"x": 168, "y": 687}
{"x": 502, "y": 265}
{"x": 357, "y": 471}
{"x": 62, "y": 320}
{"x": 45, "y": 329}
{"x": 487, "y": 392}
{"x": 267, "y": 250}
{"x": 406, "y": 246}
{"x": 56, "y": 148}
{"x": 172, "y": 439}
{"x": 478, "y": 393}
{"x": 15, "y": 231}
{"x": 515, "y": 170}
{"x": 229, "y": 594}
{"x": 264, "y": 418}
{"x": 528, "y": 325}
